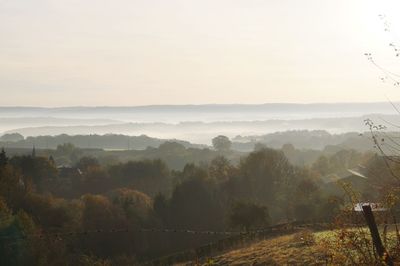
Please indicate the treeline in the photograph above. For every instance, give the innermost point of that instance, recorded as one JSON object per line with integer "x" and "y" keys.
{"x": 40, "y": 203}
{"x": 301, "y": 139}
{"x": 306, "y": 139}
{"x": 107, "y": 141}
{"x": 174, "y": 154}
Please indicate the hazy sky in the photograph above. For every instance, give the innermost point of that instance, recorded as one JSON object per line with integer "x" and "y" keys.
{"x": 130, "y": 52}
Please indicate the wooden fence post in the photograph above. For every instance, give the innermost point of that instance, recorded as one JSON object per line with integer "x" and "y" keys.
{"x": 370, "y": 219}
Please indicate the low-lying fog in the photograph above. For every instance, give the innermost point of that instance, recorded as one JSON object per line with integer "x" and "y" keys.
{"x": 195, "y": 123}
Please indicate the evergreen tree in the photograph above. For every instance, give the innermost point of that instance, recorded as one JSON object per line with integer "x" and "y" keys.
{"x": 33, "y": 151}
{"x": 51, "y": 159}
{"x": 3, "y": 158}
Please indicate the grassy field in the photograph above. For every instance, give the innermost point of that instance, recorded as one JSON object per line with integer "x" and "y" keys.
{"x": 293, "y": 249}
{"x": 305, "y": 248}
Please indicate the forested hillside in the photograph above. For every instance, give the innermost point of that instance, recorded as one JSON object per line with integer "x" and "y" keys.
{"x": 118, "y": 212}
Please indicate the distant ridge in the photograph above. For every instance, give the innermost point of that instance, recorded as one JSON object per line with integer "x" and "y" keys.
{"x": 321, "y": 108}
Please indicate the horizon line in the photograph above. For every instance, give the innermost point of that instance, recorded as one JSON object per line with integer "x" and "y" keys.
{"x": 194, "y": 105}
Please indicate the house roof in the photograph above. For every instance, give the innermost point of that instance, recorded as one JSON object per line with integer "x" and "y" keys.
{"x": 359, "y": 171}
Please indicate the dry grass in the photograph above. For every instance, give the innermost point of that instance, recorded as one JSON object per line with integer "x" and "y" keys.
{"x": 293, "y": 249}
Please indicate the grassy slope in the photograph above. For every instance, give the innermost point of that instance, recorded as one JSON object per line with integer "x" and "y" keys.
{"x": 282, "y": 250}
